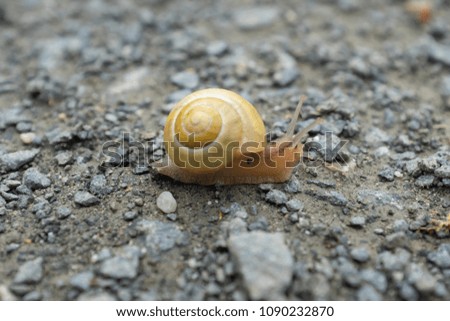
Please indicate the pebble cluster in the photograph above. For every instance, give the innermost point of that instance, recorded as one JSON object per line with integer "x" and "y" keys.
{"x": 82, "y": 221}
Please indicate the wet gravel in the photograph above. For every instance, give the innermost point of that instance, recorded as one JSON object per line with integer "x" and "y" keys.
{"x": 85, "y": 89}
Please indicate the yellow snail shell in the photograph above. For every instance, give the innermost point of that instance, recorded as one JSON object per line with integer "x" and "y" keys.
{"x": 206, "y": 118}
{"x": 202, "y": 125}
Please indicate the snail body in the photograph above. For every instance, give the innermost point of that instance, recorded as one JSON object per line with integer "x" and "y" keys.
{"x": 214, "y": 136}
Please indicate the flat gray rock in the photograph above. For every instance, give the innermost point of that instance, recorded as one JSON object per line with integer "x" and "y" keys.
{"x": 160, "y": 236}
{"x": 82, "y": 280}
{"x": 439, "y": 53}
{"x": 34, "y": 179}
{"x": 185, "y": 79}
{"x": 264, "y": 261}
{"x": 15, "y": 160}
{"x": 124, "y": 265}
{"x": 85, "y": 199}
{"x": 30, "y": 272}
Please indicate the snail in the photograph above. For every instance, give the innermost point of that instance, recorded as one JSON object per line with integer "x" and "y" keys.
{"x": 215, "y": 136}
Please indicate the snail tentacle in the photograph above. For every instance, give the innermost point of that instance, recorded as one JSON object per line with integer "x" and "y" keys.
{"x": 295, "y": 139}
{"x": 295, "y": 117}
{"x": 299, "y": 136}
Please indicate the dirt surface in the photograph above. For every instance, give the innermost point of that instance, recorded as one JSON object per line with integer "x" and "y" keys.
{"x": 76, "y": 224}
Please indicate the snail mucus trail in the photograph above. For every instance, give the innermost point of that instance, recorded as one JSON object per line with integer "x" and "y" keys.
{"x": 215, "y": 136}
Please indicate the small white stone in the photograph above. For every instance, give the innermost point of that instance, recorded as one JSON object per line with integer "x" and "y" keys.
{"x": 166, "y": 202}
{"x": 398, "y": 174}
{"x": 27, "y": 138}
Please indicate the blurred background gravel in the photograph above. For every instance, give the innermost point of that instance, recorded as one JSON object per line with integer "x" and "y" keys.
{"x": 77, "y": 225}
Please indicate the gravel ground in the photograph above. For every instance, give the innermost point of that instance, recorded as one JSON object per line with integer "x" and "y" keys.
{"x": 77, "y": 225}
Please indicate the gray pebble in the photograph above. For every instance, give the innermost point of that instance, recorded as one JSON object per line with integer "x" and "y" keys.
{"x": 185, "y": 79}
{"x": 176, "y": 96}
{"x": 422, "y": 280}
{"x": 407, "y": 292}
{"x": 368, "y": 293}
{"x": 82, "y": 281}
{"x": 141, "y": 169}
{"x": 160, "y": 237}
{"x": 30, "y": 272}
{"x": 64, "y": 158}
{"x": 14, "y": 161}
{"x": 265, "y": 187}
{"x": 404, "y": 156}
{"x": 85, "y": 199}
{"x": 122, "y": 266}
{"x": 172, "y": 217}
{"x": 387, "y": 174}
{"x": 359, "y": 67}
{"x": 445, "y": 86}
{"x": 260, "y": 224}
{"x": 2, "y": 201}
{"x": 358, "y": 221}
{"x": 393, "y": 261}
{"x": 360, "y": 254}
{"x": 285, "y": 77}
{"x": 293, "y": 218}
{"x": 381, "y": 151}
{"x": 24, "y": 127}
{"x": 443, "y": 171}
{"x": 429, "y": 164}
{"x": 63, "y": 212}
{"x": 276, "y": 197}
{"x": 166, "y": 202}
{"x": 217, "y": 48}
{"x": 441, "y": 257}
{"x": 397, "y": 239}
{"x": 253, "y": 18}
{"x": 96, "y": 296}
{"x": 376, "y": 137}
{"x": 349, "y": 272}
{"x": 34, "y": 179}
{"x": 424, "y": 181}
{"x": 440, "y": 290}
{"x": 12, "y": 116}
{"x": 11, "y": 247}
{"x": 377, "y": 279}
{"x": 439, "y": 53}
{"x": 293, "y": 185}
{"x": 262, "y": 256}
{"x": 33, "y": 296}
{"x": 236, "y": 226}
{"x": 294, "y": 205}
{"x": 5, "y": 85}
{"x": 400, "y": 226}
{"x": 412, "y": 167}
{"x": 99, "y": 185}
{"x": 58, "y": 136}
{"x": 130, "y": 215}
{"x": 21, "y": 289}
{"x": 104, "y": 254}
{"x": 242, "y": 214}
{"x": 348, "y": 5}
{"x": 378, "y": 197}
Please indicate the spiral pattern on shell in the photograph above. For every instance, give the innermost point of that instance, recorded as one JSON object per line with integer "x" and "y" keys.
{"x": 201, "y": 129}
